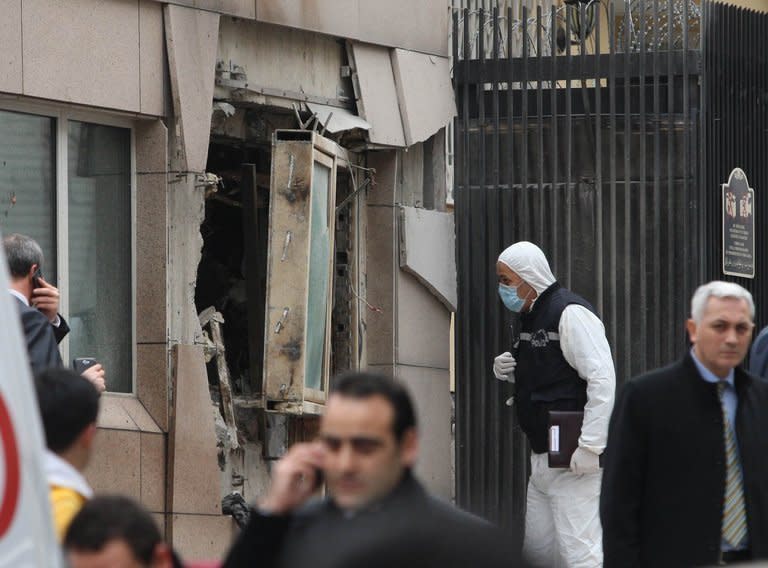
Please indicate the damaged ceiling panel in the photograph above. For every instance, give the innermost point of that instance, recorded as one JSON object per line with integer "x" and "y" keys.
{"x": 376, "y": 93}
{"x": 335, "y": 119}
{"x": 427, "y": 250}
{"x": 424, "y": 92}
{"x": 406, "y": 96}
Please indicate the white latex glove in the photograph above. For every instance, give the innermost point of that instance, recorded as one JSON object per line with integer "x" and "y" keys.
{"x": 504, "y": 367}
{"x": 584, "y": 461}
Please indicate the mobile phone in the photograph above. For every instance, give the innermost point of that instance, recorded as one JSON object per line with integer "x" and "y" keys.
{"x": 319, "y": 478}
{"x": 36, "y": 277}
{"x": 80, "y": 364}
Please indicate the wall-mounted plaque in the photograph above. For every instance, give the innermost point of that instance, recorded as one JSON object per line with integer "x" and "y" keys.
{"x": 738, "y": 226}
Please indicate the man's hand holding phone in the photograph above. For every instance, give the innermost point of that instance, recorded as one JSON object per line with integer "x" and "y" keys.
{"x": 295, "y": 478}
{"x": 91, "y": 370}
{"x": 45, "y": 297}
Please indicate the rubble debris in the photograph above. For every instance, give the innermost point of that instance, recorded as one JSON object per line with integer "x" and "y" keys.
{"x": 234, "y": 505}
{"x": 213, "y": 319}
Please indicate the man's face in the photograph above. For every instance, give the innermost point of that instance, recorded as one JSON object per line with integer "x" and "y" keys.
{"x": 363, "y": 461}
{"x": 117, "y": 554}
{"x": 509, "y": 277}
{"x": 722, "y": 337}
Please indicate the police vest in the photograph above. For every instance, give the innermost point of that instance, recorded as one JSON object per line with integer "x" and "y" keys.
{"x": 544, "y": 380}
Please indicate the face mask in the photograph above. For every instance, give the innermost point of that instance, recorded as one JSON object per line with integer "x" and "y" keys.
{"x": 512, "y": 301}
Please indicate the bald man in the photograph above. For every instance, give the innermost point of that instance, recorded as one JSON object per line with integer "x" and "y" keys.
{"x": 561, "y": 362}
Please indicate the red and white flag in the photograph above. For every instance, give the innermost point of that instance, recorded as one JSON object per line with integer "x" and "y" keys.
{"x": 27, "y": 538}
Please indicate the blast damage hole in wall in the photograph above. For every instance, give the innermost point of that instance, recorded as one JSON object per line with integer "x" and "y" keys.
{"x": 221, "y": 274}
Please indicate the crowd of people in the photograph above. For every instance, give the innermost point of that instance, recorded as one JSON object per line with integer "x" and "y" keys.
{"x": 671, "y": 472}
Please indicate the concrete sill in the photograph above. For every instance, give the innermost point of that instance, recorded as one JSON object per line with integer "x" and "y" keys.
{"x": 125, "y": 412}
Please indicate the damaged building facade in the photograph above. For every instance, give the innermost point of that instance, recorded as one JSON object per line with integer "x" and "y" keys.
{"x": 237, "y": 199}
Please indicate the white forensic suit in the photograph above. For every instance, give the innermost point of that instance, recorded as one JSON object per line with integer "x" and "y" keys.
{"x": 562, "y": 522}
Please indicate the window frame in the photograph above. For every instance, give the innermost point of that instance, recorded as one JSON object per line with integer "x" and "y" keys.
{"x": 62, "y": 115}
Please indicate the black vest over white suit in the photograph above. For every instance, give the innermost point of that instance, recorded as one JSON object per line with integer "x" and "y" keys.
{"x": 544, "y": 380}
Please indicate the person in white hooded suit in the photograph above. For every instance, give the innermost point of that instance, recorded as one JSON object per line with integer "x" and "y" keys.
{"x": 561, "y": 361}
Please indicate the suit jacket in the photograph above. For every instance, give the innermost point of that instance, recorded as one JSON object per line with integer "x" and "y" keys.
{"x": 42, "y": 338}
{"x": 758, "y": 355}
{"x": 407, "y": 528}
{"x": 664, "y": 470}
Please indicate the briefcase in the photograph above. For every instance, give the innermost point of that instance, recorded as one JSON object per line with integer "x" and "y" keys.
{"x": 564, "y": 432}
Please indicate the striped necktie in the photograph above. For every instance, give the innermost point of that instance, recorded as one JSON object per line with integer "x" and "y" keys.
{"x": 734, "y": 527}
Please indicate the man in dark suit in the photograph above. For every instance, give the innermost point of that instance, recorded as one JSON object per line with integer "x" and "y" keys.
{"x": 376, "y": 512}
{"x": 38, "y": 304}
{"x": 686, "y": 476}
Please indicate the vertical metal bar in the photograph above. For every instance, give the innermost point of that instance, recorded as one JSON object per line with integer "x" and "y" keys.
{"x": 612, "y": 164}
{"x": 485, "y": 397}
{"x": 555, "y": 224}
{"x": 643, "y": 229}
{"x": 628, "y": 280}
{"x": 510, "y": 110}
{"x": 492, "y": 249}
{"x": 524, "y": 138}
{"x": 569, "y": 151}
{"x": 704, "y": 78}
{"x": 598, "y": 167}
{"x": 506, "y": 225}
{"x": 465, "y": 401}
{"x": 671, "y": 270}
{"x": 495, "y": 88}
{"x": 686, "y": 154}
{"x": 656, "y": 359}
{"x": 540, "y": 123}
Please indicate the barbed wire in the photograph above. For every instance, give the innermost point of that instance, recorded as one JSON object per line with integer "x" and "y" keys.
{"x": 644, "y": 28}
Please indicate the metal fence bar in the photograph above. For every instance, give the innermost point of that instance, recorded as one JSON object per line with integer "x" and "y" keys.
{"x": 498, "y": 70}
{"x": 466, "y": 490}
{"x": 643, "y": 214}
{"x": 687, "y": 125}
{"x": 496, "y": 110}
{"x": 672, "y": 242}
{"x": 664, "y": 300}
{"x": 525, "y": 136}
{"x": 599, "y": 261}
{"x": 540, "y": 124}
{"x": 613, "y": 327}
{"x": 555, "y": 225}
{"x": 479, "y": 198}
{"x": 569, "y": 153}
{"x": 628, "y": 281}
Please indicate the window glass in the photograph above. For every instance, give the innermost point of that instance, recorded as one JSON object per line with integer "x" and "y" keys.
{"x": 319, "y": 273}
{"x": 100, "y": 283}
{"x": 27, "y": 181}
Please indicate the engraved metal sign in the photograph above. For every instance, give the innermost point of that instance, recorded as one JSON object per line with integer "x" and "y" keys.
{"x": 738, "y": 226}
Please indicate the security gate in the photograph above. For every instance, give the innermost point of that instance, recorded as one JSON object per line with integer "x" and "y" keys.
{"x": 602, "y": 133}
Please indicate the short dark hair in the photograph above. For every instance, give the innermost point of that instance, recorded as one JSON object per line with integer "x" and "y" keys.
{"x": 68, "y": 403}
{"x": 113, "y": 517}
{"x": 365, "y": 385}
{"x": 21, "y": 252}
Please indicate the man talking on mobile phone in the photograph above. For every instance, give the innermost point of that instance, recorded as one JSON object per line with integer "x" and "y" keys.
{"x": 376, "y": 513}
{"x": 38, "y": 304}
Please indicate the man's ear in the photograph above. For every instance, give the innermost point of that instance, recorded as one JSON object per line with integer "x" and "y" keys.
{"x": 690, "y": 325}
{"x": 161, "y": 556}
{"x": 87, "y": 435}
{"x": 409, "y": 447}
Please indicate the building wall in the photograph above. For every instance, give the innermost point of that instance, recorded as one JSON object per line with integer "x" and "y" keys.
{"x": 410, "y": 336}
{"x": 102, "y": 54}
{"x": 153, "y": 64}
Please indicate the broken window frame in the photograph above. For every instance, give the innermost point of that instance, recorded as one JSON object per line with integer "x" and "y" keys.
{"x": 295, "y": 154}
